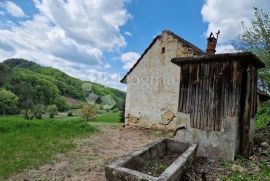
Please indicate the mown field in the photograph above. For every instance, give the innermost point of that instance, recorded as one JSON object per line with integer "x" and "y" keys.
{"x": 108, "y": 117}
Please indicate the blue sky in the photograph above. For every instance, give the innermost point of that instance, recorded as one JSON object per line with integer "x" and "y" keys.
{"x": 99, "y": 40}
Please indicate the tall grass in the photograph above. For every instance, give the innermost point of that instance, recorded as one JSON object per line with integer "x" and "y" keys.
{"x": 28, "y": 144}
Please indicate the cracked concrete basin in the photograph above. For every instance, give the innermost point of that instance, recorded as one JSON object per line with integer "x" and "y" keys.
{"x": 125, "y": 168}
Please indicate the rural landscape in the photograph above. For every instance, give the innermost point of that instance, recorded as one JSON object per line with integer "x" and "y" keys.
{"x": 45, "y": 109}
{"x": 78, "y": 102}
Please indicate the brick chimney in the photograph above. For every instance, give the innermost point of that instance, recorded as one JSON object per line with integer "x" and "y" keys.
{"x": 211, "y": 44}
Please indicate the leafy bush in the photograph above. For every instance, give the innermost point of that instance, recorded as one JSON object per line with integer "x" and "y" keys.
{"x": 61, "y": 104}
{"x": 263, "y": 115}
{"x": 115, "y": 110}
{"x": 78, "y": 105}
{"x": 52, "y": 110}
{"x": 8, "y": 102}
{"x": 88, "y": 111}
{"x": 40, "y": 112}
{"x": 101, "y": 111}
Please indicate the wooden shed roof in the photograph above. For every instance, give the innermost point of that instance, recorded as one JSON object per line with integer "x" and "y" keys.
{"x": 263, "y": 94}
{"x": 246, "y": 57}
{"x": 186, "y": 43}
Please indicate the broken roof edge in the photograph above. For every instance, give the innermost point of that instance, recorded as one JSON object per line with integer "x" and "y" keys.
{"x": 195, "y": 48}
{"x": 218, "y": 57}
{"x": 262, "y": 93}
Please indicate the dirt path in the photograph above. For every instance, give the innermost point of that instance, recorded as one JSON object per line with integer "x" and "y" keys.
{"x": 87, "y": 161}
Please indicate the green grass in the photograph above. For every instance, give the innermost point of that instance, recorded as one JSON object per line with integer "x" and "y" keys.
{"x": 263, "y": 115}
{"x": 108, "y": 117}
{"x": 263, "y": 172}
{"x": 249, "y": 169}
{"x": 28, "y": 144}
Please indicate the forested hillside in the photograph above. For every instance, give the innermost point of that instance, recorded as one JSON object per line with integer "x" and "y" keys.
{"x": 35, "y": 86}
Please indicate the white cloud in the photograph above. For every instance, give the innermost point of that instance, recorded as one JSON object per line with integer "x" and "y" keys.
{"x": 14, "y": 10}
{"x": 129, "y": 58}
{"x": 228, "y": 15}
{"x": 128, "y": 33}
{"x": 92, "y": 22}
{"x": 226, "y": 48}
{"x": 69, "y": 35}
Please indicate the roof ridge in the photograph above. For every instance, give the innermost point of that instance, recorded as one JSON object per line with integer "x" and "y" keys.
{"x": 183, "y": 41}
{"x": 195, "y": 48}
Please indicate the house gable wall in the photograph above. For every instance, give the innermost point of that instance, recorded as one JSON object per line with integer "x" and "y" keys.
{"x": 153, "y": 85}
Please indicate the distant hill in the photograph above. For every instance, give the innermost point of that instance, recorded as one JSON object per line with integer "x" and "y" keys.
{"x": 68, "y": 86}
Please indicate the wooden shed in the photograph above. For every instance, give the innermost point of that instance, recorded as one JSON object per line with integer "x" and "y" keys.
{"x": 214, "y": 90}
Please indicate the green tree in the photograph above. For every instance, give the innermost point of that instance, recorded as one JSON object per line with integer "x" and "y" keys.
{"x": 33, "y": 91}
{"x": 52, "y": 110}
{"x": 5, "y": 72}
{"x": 61, "y": 104}
{"x": 26, "y": 79}
{"x": 25, "y": 92}
{"x": 88, "y": 111}
{"x": 40, "y": 112}
{"x": 256, "y": 39}
{"x": 8, "y": 102}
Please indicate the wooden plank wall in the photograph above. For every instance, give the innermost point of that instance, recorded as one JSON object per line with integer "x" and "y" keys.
{"x": 210, "y": 91}
{"x": 248, "y": 107}
{"x": 253, "y": 74}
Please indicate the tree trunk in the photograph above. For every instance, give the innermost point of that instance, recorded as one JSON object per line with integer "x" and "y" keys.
{"x": 26, "y": 116}
{"x": 35, "y": 113}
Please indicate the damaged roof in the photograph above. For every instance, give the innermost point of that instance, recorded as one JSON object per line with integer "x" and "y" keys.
{"x": 263, "y": 94}
{"x": 186, "y": 43}
{"x": 240, "y": 56}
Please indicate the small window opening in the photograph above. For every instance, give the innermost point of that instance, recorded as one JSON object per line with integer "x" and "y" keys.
{"x": 163, "y": 50}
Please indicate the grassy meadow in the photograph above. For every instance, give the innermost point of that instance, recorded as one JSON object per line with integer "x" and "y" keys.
{"x": 108, "y": 117}
{"x": 31, "y": 143}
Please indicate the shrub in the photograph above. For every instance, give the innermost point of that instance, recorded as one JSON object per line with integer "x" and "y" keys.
{"x": 88, "y": 111}
{"x": 69, "y": 114}
{"x": 40, "y": 111}
{"x": 76, "y": 105}
{"x": 39, "y": 116}
{"x": 101, "y": 111}
{"x": 8, "y": 102}
{"x": 263, "y": 115}
{"x": 115, "y": 110}
{"x": 52, "y": 110}
{"x": 61, "y": 104}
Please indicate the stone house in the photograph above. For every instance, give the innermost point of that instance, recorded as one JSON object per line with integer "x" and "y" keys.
{"x": 153, "y": 82}
{"x": 206, "y": 98}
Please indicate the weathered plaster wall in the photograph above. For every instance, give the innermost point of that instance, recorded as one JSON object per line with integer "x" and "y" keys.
{"x": 153, "y": 86}
{"x": 211, "y": 144}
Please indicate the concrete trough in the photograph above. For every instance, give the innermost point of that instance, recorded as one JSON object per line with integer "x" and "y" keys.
{"x": 126, "y": 168}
